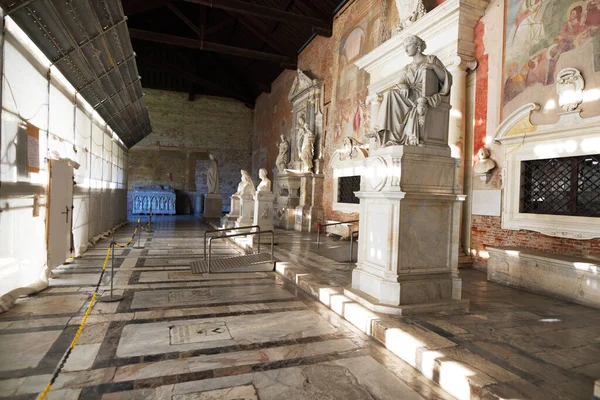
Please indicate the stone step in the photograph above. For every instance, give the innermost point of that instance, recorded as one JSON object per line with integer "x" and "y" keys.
{"x": 465, "y": 262}
{"x": 457, "y": 370}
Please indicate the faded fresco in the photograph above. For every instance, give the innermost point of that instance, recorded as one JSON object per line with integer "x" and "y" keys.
{"x": 542, "y": 37}
{"x": 351, "y": 117}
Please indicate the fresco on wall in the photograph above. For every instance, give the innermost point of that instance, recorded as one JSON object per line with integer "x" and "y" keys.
{"x": 351, "y": 117}
{"x": 540, "y": 34}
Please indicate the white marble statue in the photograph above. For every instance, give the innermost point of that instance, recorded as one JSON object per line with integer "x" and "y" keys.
{"x": 265, "y": 182}
{"x": 212, "y": 175}
{"x": 246, "y": 185}
{"x": 485, "y": 164}
{"x": 284, "y": 154}
{"x": 306, "y": 144}
{"x": 422, "y": 84}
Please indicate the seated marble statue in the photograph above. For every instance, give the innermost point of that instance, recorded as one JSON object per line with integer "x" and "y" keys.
{"x": 246, "y": 185}
{"x": 423, "y": 84}
{"x": 283, "y": 155}
{"x": 265, "y": 182}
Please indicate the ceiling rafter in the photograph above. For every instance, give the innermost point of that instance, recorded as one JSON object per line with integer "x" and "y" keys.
{"x": 210, "y": 46}
{"x": 256, "y": 10}
{"x": 172, "y": 68}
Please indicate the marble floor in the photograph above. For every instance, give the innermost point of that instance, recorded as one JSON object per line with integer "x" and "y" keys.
{"x": 176, "y": 335}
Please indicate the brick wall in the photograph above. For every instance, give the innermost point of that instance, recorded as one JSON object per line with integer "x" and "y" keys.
{"x": 487, "y": 231}
{"x": 183, "y": 134}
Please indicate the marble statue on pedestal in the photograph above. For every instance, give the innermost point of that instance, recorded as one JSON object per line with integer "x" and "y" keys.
{"x": 306, "y": 144}
{"x": 423, "y": 84}
{"x": 246, "y": 185}
{"x": 213, "y": 202}
{"x": 284, "y": 154}
{"x": 265, "y": 182}
{"x": 212, "y": 175}
{"x": 263, "y": 205}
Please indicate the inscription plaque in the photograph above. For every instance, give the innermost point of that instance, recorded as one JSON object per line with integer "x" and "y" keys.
{"x": 198, "y": 333}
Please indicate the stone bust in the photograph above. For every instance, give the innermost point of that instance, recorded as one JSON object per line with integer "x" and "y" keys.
{"x": 212, "y": 175}
{"x": 246, "y": 185}
{"x": 485, "y": 164}
{"x": 265, "y": 182}
{"x": 423, "y": 84}
{"x": 284, "y": 154}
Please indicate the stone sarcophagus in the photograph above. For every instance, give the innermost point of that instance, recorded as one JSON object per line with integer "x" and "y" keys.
{"x": 159, "y": 199}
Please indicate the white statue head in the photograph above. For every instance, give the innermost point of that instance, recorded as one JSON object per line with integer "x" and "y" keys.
{"x": 211, "y": 157}
{"x": 262, "y": 173}
{"x": 414, "y": 45}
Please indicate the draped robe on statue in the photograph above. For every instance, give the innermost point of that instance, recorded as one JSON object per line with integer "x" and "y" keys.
{"x": 397, "y": 122}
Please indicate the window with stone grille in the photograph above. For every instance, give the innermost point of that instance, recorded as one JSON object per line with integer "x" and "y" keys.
{"x": 561, "y": 186}
{"x": 347, "y": 185}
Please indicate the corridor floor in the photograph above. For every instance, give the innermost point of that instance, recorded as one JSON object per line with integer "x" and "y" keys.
{"x": 181, "y": 336}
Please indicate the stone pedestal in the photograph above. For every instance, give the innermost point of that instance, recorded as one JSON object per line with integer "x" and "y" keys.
{"x": 213, "y": 205}
{"x": 228, "y": 220}
{"x": 263, "y": 213}
{"x": 286, "y": 188}
{"x": 409, "y": 229}
{"x": 309, "y": 212}
{"x": 246, "y": 216}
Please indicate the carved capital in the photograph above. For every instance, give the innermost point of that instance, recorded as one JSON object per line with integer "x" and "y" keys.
{"x": 374, "y": 98}
{"x": 462, "y": 63}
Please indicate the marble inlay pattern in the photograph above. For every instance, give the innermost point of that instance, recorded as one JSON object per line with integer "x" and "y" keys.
{"x": 178, "y": 335}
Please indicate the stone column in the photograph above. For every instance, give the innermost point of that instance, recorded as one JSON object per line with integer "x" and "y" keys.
{"x": 458, "y": 99}
{"x": 458, "y": 113}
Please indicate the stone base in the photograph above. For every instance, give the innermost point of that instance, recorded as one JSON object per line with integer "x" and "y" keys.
{"x": 372, "y": 304}
{"x": 307, "y": 218}
{"x": 263, "y": 214}
{"x": 284, "y": 217}
{"x": 213, "y": 205}
{"x": 568, "y": 277}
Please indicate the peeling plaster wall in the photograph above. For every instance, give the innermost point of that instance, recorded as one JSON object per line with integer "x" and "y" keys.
{"x": 183, "y": 134}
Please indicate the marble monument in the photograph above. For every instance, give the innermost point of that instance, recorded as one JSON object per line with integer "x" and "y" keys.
{"x": 409, "y": 198}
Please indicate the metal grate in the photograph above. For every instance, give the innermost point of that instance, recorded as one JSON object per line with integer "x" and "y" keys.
{"x": 234, "y": 263}
{"x": 347, "y": 185}
{"x": 561, "y": 186}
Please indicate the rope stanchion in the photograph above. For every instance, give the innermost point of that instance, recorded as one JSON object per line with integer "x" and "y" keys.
{"x": 111, "y": 297}
{"x": 122, "y": 246}
{"x": 81, "y": 325}
{"x": 139, "y": 228}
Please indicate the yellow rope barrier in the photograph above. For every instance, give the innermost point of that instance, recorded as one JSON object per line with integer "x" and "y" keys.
{"x": 81, "y": 326}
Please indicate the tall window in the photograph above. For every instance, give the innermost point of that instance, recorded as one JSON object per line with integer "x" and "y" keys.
{"x": 561, "y": 186}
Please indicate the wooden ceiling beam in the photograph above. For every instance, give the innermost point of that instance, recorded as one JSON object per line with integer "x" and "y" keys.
{"x": 210, "y": 46}
{"x": 256, "y": 10}
{"x": 172, "y": 68}
{"x": 133, "y": 7}
{"x": 217, "y": 27}
{"x": 186, "y": 20}
{"x": 261, "y": 35}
